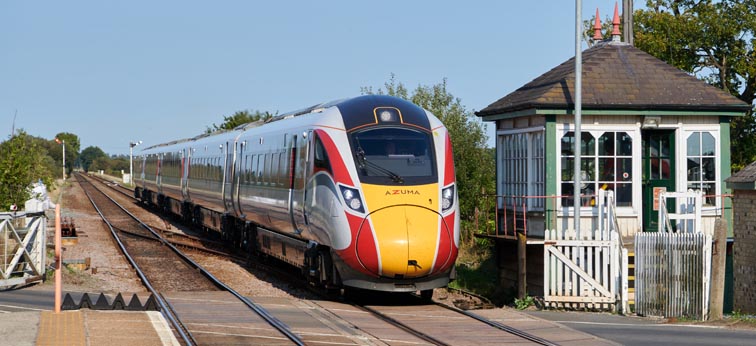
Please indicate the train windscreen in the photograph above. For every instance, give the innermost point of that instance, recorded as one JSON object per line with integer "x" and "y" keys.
{"x": 394, "y": 156}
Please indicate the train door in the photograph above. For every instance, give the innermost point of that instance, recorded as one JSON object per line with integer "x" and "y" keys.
{"x": 158, "y": 178}
{"x": 295, "y": 191}
{"x": 242, "y": 167}
{"x": 228, "y": 170}
{"x": 182, "y": 173}
{"x": 299, "y": 173}
{"x": 185, "y": 157}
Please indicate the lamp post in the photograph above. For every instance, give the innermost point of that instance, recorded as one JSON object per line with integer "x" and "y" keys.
{"x": 64, "y": 160}
{"x": 63, "y": 144}
{"x": 131, "y": 161}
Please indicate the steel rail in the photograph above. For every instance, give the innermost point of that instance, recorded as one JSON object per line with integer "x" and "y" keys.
{"x": 268, "y": 317}
{"x": 500, "y": 326}
{"x": 403, "y": 326}
{"x": 164, "y": 307}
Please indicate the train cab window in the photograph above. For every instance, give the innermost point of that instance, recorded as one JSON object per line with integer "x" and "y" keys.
{"x": 391, "y": 155}
{"x": 320, "y": 159}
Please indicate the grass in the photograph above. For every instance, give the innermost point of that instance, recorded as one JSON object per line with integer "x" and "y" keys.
{"x": 477, "y": 272}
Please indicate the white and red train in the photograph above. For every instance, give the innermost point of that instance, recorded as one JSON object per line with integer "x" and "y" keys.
{"x": 357, "y": 193}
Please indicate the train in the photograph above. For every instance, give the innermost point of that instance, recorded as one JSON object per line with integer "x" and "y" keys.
{"x": 357, "y": 193}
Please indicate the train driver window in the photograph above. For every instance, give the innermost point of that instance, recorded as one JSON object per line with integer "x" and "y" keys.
{"x": 321, "y": 161}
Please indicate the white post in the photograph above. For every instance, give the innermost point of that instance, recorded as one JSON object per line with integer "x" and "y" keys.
{"x": 131, "y": 161}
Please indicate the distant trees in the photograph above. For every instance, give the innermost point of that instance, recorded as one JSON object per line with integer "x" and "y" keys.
{"x": 475, "y": 169}
{"x": 23, "y": 160}
{"x": 89, "y": 155}
{"x": 55, "y": 151}
{"x": 238, "y": 118}
{"x": 715, "y": 41}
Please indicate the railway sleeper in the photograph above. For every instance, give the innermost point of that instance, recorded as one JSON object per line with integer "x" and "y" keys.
{"x": 312, "y": 259}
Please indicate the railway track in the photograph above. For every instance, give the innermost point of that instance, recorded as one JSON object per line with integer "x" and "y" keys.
{"x": 422, "y": 321}
{"x": 178, "y": 239}
{"x": 164, "y": 270}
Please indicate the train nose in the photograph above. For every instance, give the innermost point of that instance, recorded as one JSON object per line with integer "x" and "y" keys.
{"x": 409, "y": 241}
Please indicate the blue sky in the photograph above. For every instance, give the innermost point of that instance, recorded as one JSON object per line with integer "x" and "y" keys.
{"x": 112, "y": 72}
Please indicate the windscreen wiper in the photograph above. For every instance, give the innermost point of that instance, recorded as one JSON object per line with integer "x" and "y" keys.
{"x": 364, "y": 163}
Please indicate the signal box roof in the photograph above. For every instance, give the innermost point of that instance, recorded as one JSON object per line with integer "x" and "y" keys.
{"x": 618, "y": 76}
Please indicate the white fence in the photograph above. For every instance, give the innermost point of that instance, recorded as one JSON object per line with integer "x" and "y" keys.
{"x": 672, "y": 272}
{"x": 22, "y": 247}
{"x": 589, "y": 271}
{"x": 583, "y": 273}
{"x": 687, "y": 215}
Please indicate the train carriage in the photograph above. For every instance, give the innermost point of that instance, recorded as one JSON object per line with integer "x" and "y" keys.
{"x": 357, "y": 193}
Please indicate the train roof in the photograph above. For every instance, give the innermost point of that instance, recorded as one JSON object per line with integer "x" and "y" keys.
{"x": 364, "y": 104}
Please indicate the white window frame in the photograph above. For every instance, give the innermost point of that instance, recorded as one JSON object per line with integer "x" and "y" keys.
{"x": 596, "y": 130}
{"x": 682, "y": 177}
{"x": 524, "y": 164}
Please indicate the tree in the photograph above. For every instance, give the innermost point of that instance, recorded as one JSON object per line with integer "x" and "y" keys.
{"x": 238, "y": 118}
{"x": 55, "y": 150}
{"x": 474, "y": 163}
{"x": 23, "y": 160}
{"x": 89, "y": 155}
{"x": 713, "y": 40}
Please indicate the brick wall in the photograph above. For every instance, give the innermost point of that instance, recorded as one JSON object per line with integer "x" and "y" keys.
{"x": 744, "y": 251}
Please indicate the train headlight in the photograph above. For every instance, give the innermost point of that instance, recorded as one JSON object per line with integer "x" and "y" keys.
{"x": 447, "y": 198}
{"x": 352, "y": 198}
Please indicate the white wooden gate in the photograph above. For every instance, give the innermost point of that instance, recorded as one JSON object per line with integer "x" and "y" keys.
{"x": 583, "y": 272}
{"x": 22, "y": 246}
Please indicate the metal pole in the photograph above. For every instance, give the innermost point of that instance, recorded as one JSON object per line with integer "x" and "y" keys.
{"x": 131, "y": 161}
{"x": 64, "y": 160}
{"x": 58, "y": 261}
{"x": 578, "y": 109}
{"x": 131, "y": 164}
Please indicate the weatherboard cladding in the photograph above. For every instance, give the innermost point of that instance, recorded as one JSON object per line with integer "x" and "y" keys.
{"x": 617, "y": 76}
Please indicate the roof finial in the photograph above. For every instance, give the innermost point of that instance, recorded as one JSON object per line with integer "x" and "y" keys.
{"x": 597, "y": 27}
{"x": 616, "y": 36}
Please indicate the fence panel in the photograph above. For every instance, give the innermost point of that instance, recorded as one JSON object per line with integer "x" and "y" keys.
{"x": 672, "y": 273}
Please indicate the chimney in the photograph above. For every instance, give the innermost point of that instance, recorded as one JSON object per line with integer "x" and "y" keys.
{"x": 616, "y": 35}
{"x": 597, "y": 28}
{"x": 627, "y": 20}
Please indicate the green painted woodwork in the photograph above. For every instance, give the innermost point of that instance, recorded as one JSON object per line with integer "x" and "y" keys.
{"x": 530, "y": 112}
{"x": 725, "y": 163}
{"x": 550, "y": 137}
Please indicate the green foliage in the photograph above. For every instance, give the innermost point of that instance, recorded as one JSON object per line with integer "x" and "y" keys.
{"x": 239, "y": 118}
{"x": 739, "y": 316}
{"x": 715, "y": 41}
{"x": 23, "y": 161}
{"x": 476, "y": 266}
{"x": 524, "y": 303}
{"x": 88, "y": 157}
{"x": 474, "y": 163}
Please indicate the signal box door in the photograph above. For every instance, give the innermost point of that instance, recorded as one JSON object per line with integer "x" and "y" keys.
{"x": 658, "y": 173}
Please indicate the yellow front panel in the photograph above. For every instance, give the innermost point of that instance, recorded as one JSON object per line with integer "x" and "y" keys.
{"x": 405, "y": 230}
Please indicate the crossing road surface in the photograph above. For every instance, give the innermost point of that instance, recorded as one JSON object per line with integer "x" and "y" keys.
{"x": 645, "y": 331}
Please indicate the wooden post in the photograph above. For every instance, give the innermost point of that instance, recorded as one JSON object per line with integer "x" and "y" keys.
{"x": 58, "y": 260}
{"x": 718, "y": 256}
{"x": 522, "y": 272}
